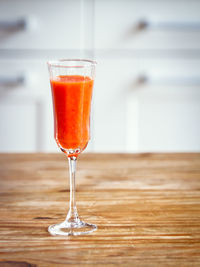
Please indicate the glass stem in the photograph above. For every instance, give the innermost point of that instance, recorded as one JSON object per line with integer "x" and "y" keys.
{"x": 72, "y": 215}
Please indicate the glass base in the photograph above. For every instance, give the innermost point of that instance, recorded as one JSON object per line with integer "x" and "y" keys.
{"x": 71, "y": 228}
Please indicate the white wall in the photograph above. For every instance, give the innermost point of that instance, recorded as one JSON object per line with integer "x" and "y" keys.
{"x": 147, "y": 88}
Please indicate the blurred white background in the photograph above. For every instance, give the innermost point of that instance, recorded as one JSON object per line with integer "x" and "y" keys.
{"x": 147, "y": 88}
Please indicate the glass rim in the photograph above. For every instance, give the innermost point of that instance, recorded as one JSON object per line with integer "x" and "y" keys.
{"x": 56, "y": 63}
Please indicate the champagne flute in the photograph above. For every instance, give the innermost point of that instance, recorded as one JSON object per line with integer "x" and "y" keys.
{"x": 72, "y": 85}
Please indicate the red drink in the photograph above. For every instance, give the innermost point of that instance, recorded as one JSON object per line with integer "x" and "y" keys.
{"x": 72, "y": 102}
{"x": 72, "y": 84}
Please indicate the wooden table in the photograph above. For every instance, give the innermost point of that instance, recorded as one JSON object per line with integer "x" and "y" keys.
{"x": 146, "y": 206}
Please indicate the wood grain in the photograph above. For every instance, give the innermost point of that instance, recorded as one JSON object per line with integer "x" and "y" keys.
{"x": 146, "y": 206}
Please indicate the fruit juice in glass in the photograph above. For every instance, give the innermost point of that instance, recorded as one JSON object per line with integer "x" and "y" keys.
{"x": 71, "y": 85}
{"x": 72, "y": 102}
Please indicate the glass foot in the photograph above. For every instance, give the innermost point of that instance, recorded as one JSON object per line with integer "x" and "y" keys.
{"x": 72, "y": 228}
